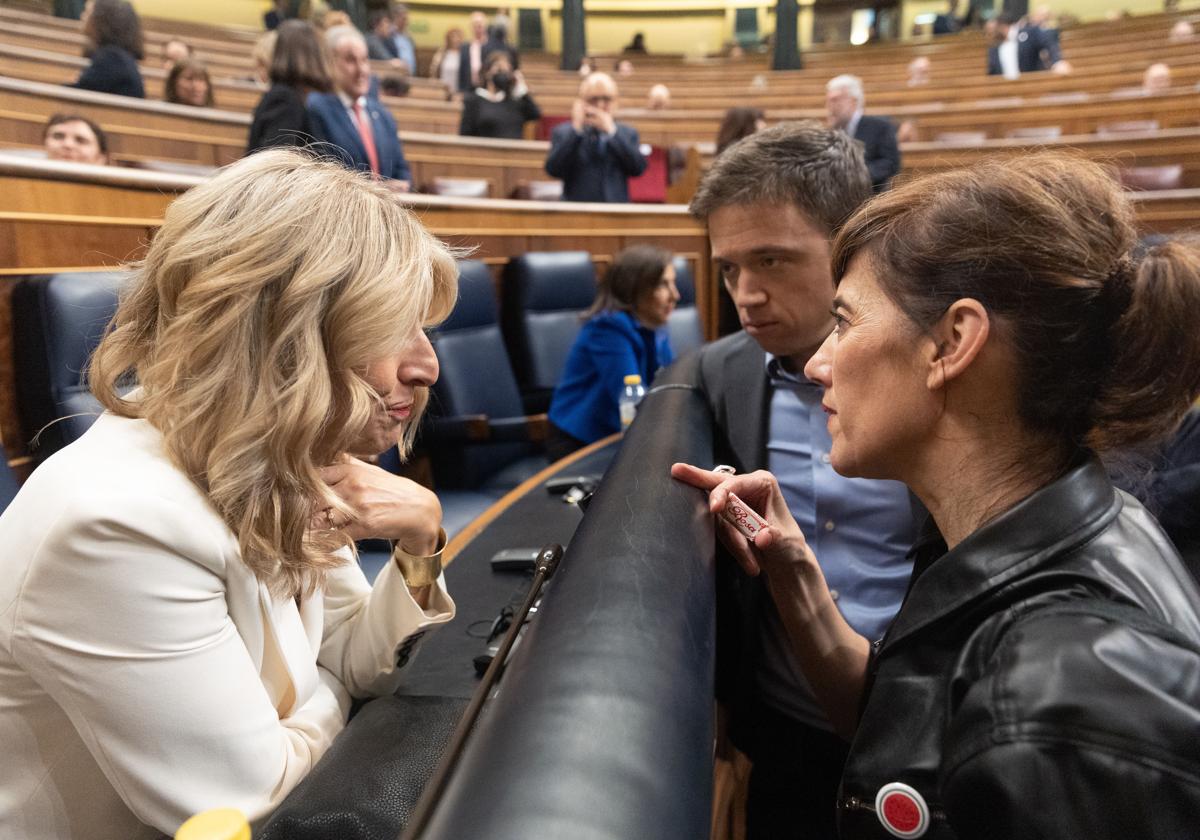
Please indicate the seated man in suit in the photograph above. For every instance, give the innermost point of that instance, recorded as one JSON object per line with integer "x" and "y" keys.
{"x": 593, "y": 154}
{"x": 1018, "y": 46}
{"x": 773, "y": 203}
{"x": 358, "y": 128}
{"x": 844, "y": 105}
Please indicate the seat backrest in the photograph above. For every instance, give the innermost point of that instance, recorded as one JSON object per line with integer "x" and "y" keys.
{"x": 475, "y": 378}
{"x": 1126, "y": 127}
{"x": 543, "y": 296}
{"x": 651, "y": 186}
{"x": 57, "y": 322}
{"x": 1040, "y": 132}
{"x": 8, "y": 482}
{"x": 461, "y": 187}
{"x": 684, "y": 327}
{"x": 1168, "y": 177}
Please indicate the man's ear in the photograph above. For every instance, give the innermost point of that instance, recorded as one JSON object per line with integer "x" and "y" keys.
{"x": 956, "y": 340}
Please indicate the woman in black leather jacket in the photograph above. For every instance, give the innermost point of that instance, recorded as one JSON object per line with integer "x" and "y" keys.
{"x": 1042, "y": 679}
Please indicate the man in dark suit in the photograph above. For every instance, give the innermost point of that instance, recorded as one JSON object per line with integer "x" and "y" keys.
{"x": 1020, "y": 47}
{"x": 772, "y": 203}
{"x": 357, "y": 128}
{"x": 593, "y": 154}
{"x": 471, "y": 54}
{"x": 947, "y": 23}
{"x": 844, "y": 105}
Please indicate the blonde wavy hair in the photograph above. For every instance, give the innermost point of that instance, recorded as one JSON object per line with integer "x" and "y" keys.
{"x": 249, "y": 326}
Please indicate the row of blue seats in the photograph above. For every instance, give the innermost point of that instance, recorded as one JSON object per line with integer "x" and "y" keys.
{"x": 499, "y": 361}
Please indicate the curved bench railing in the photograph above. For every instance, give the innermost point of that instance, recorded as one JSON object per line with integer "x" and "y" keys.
{"x": 603, "y": 724}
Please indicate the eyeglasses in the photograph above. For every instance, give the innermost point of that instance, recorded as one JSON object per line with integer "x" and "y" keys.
{"x": 599, "y": 100}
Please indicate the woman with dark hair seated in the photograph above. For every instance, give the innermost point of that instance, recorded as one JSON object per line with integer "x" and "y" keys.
{"x": 994, "y": 340}
{"x": 738, "y": 123}
{"x": 185, "y": 623}
{"x": 114, "y": 44}
{"x": 625, "y": 334}
{"x": 502, "y": 106}
{"x": 188, "y": 84}
{"x": 298, "y": 67}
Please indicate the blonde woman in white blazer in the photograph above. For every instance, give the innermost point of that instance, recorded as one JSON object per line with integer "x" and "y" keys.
{"x": 182, "y": 623}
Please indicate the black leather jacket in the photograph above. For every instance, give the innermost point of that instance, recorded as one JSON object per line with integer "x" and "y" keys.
{"x": 1042, "y": 680}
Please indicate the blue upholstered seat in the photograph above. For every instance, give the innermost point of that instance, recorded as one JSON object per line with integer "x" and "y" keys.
{"x": 684, "y": 325}
{"x": 57, "y": 322}
{"x": 543, "y": 297}
{"x": 477, "y": 435}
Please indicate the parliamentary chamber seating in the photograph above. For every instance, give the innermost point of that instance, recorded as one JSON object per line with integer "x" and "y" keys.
{"x": 58, "y": 320}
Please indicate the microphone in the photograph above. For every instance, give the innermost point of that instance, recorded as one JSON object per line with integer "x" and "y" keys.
{"x": 548, "y": 560}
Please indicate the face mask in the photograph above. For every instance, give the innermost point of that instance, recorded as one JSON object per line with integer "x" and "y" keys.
{"x": 502, "y": 81}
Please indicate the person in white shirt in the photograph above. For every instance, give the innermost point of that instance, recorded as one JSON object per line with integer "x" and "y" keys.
{"x": 183, "y": 622}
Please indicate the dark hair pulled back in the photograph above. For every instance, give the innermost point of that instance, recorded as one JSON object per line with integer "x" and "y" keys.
{"x": 1106, "y": 346}
{"x": 633, "y": 272}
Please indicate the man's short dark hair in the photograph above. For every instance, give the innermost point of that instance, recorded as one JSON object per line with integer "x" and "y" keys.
{"x": 377, "y": 17}
{"x": 819, "y": 170}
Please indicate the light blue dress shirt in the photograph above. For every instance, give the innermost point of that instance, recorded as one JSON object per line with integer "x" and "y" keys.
{"x": 859, "y": 529}
{"x": 405, "y": 51}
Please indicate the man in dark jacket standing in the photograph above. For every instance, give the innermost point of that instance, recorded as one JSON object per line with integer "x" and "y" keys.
{"x": 1018, "y": 46}
{"x": 844, "y": 106}
{"x": 593, "y": 154}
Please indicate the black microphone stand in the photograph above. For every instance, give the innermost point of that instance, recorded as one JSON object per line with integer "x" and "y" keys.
{"x": 545, "y": 565}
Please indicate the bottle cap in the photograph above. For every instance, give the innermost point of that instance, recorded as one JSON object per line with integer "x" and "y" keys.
{"x": 633, "y": 379}
{"x": 217, "y": 824}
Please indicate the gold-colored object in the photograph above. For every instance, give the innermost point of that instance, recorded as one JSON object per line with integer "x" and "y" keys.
{"x": 420, "y": 571}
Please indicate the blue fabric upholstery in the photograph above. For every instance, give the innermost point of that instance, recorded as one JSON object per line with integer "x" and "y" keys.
{"x": 8, "y": 482}
{"x": 58, "y": 321}
{"x": 543, "y": 296}
{"x": 684, "y": 324}
{"x": 475, "y": 379}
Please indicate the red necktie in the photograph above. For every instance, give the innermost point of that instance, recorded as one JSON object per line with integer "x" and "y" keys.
{"x": 367, "y": 135}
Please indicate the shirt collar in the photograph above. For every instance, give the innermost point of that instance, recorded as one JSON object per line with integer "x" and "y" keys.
{"x": 852, "y": 126}
{"x": 350, "y": 103}
{"x": 779, "y": 375}
{"x": 1065, "y": 513}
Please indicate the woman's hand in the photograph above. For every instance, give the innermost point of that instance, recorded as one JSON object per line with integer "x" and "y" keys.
{"x": 781, "y": 542}
{"x": 386, "y": 506}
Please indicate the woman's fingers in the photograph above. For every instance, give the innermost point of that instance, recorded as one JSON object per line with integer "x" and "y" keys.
{"x": 697, "y": 477}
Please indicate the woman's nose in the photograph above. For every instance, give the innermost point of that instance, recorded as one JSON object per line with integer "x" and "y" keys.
{"x": 820, "y": 367}
{"x": 421, "y": 365}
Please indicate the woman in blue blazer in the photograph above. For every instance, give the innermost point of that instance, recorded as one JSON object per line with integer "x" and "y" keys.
{"x": 624, "y": 334}
{"x": 114, "y": 35}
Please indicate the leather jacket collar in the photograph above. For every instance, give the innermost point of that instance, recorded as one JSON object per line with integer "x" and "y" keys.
{"x": 1063, "y": 514}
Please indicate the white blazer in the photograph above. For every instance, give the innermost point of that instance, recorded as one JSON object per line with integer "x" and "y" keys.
{"x": 145, "y": 674}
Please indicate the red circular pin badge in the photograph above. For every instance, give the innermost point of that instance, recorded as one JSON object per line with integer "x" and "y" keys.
{"x": 902, "y": 810}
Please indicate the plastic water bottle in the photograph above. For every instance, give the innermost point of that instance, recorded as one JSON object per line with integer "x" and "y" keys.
{"x": 630, "y": 397}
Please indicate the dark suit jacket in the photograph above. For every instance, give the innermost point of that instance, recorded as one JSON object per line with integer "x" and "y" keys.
{"x": 113, "y": 70}
{"x": 880, "y": 149}
{"x": 1037, "y": 49}
{"x": 380, "y": 49}
{"x": 280, "y": 119}
{"x": 591, "y": 170}
{"x": 945, "y": 25}
{"x": 332, "y": 124}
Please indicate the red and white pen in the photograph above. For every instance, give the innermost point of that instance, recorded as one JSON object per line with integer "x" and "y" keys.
{"x": 739, "y": 514}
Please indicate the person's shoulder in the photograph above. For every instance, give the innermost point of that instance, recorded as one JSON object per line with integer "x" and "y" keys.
{"x": 562, "y": 131}
{"x": 737, "y": 344}
{"x": 322, "y": 101}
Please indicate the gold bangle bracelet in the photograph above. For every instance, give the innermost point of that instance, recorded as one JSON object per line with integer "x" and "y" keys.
{"x": 420, "y": 571}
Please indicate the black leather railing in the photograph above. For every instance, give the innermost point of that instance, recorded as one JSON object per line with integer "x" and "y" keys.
{"x": 603, "y": 724}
